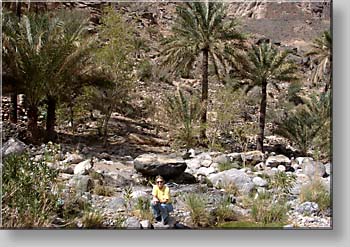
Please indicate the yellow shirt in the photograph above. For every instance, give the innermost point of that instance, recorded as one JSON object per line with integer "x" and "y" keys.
{"x": 161, "y": 194}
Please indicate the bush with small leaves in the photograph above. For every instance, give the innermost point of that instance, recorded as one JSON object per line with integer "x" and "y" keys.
{"x": 28, "y": 197}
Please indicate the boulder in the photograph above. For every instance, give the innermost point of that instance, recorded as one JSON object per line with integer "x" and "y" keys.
{"x": 193, "y": 164}
{"x": 205, "y": 171}
{"x": 252, "y": 157}
{"x": 157, "y": 164}
{"x": 258, "y": 181}
{"x": 146, "y": 224}
{"x": 170, "y": 225}
{"x": 233, "y": 176}
{"x": 221, "y": 159}
{"x": 281, "y": 168}
{"x": 313, "y": 169}
{"x": 73, "y": 158}
{"x": 185, "y": 178}
{"x": 328, "y": 168}
{"x": 82, "y": 183}
{"x": 132, "y": 223}
{"x": 275, "y": 161}
{"x": 83, "y": 167}
{"x": 13, "y": 146}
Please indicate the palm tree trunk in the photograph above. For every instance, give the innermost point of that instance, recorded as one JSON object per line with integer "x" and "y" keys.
{"x": 204, "y": 99}
{"x": 14, "y": 101}
{"x": 50, "y": 118}
{"x": 105, "y": 129}
{"x": 14, "y": 104}
{"x": 260, "y": 141}
{"x": 33, "y": 123}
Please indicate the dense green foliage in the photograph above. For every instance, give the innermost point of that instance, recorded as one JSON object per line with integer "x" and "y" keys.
{"x": 28, "y": 196}
{"x": 309, "y": 126}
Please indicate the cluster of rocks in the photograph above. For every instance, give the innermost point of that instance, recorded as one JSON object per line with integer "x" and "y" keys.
{"x": 249, "y": 173}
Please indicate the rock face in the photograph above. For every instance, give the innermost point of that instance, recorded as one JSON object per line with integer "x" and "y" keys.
{"x": 12, "y": 146}
{"x": 154, "y": 164}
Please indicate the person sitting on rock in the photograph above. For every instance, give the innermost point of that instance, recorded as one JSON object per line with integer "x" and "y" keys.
{"x": 161, "y": 203}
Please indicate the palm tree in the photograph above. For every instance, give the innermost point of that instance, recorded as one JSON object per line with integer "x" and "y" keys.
{"x": 69, "y": 57}
{"x": 43, "y": 53}
{"x": 201, "y": 29}
{"x": 21, "y": 56}
{"x": 263, "y": 65}
{"x": 322, "y": 52}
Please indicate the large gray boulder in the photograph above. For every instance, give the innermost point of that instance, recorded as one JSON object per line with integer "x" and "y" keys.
{"x": 313, "y": 169}
{"x": 12, "y": 146}
{"x": 157, "y": 164}
{"x": 235, "y": 177}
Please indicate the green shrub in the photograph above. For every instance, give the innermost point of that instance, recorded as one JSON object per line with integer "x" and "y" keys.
{"x": 227, "y": 166}
{"x": 103, "y": 190}
{"x": 92, "y": 220}
{"x": 266, "y": 210}
{"x": 282, "y": 183}
{"x": 196, "y": 203}
{"x": 223, "y": 211}
{"x": 183, "y": 113}
{"x": 309, "y": 126}
{"x": 143, "y": 208}
{"x": 28, "y": 199}
{"x": 229, "y": 118}
{"x": 145, "y": 71}
{"x": 72, "y": 205}
{"x": 317, "y": 192}
{"x": 127, "y": 196}
{"x": 230, "y": 188}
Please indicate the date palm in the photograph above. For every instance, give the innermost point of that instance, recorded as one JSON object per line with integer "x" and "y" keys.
{"x": 321, "y": 51}
{"x": 264, "y": 65}
{"x": 202, "y": 30}
{"x": 43, "y": 53}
